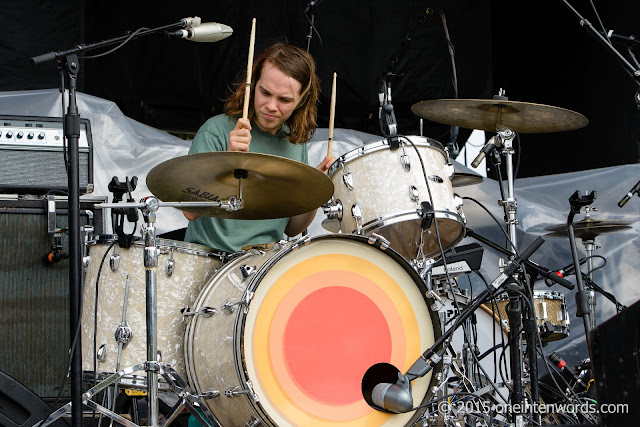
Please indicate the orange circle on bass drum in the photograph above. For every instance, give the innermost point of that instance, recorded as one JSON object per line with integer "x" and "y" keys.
{"x": 317, "y": 317}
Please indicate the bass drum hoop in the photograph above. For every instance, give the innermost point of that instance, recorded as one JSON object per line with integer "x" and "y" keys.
{"x": 239, "y": 327}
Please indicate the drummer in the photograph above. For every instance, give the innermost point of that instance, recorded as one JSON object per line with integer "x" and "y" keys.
{"x": 281, "y": 120}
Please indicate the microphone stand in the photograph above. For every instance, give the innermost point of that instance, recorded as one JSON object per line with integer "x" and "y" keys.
{"x": 309, "y": 8}
{"x": 68, "y": 60}
{"x": 582, "y": 301}
{"x": 433, "y": 356}
{"x": 628, "y": 67}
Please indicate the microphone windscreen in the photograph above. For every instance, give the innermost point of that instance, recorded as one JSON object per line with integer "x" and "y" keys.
{"x": 377, "y": 395}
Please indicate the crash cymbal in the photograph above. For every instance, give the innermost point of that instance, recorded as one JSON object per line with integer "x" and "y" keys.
{"x": 588, "y": 228}
{"x": 489, "y": 114}
{"x": 275, "y": 187}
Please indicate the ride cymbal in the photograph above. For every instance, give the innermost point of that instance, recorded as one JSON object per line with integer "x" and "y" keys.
{"x": 489, "y": 114}
{"x": 274, "y": 187}
{"x": 588, "y": 228}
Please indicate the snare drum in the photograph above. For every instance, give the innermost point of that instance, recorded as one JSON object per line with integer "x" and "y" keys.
{"x": 183, "y": 269}
{"x": 284, "y": 336}
{"x": 377, "y": 189}
{"x": 552, "y": 314}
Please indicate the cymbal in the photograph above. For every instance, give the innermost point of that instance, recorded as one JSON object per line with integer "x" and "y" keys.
{"x": 463, "y": 176}
{"x": 275, "y": 187}
{"x": 588, "y": 228}
{"x": 488, "y": 114}
{"x": 461, "y": 179}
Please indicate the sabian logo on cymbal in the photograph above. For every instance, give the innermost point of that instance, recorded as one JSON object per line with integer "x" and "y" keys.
{"x": 195, "y": 194}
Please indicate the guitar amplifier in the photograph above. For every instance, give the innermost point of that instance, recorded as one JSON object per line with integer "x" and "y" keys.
{"x": 34, "y": 156}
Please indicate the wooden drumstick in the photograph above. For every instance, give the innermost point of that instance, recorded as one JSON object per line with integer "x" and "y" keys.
{"x": 332, "y": 114}
{"x": 247, "y": 89}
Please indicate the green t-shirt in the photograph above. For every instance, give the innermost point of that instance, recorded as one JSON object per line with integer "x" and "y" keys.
{"x": 232, "y": 234}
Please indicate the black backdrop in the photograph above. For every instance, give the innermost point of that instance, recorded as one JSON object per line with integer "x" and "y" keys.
{"x": 536, "y": 51}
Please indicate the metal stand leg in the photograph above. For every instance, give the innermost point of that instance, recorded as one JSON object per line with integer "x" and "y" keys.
{"x": 590, "y": 246}
{"x": 150, "y": 264}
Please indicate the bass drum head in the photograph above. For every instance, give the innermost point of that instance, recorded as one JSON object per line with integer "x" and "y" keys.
{"x": 320, "y": 317}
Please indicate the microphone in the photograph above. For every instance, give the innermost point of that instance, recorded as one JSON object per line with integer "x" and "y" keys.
{"x": 488, "y": 147}
{"x": 396, "y": 397}
{"x": 205, "y": 32}
{"x": 630, "y": 194}
{"x": 565, "y": 369}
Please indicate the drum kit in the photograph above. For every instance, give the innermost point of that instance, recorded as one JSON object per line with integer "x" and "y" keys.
{"x": 282, "y": 334}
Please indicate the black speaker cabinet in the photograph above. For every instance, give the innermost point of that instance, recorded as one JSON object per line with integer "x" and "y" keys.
{"x": 34, "y": 294}
{"x": 615, "y": 358}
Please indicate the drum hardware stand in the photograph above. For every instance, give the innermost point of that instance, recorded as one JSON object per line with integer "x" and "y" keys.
{"x": 633, "y": 71}
{"x": 118, "y": 214}
{"x": 309, "y": 8}
{"x": 432, "y": 356}
{"x": 576, "y": 202}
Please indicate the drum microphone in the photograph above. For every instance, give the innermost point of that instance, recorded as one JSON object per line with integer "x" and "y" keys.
{"x": 396, "y": 397}
{"x": 488, "y": 147}
{"x": 629, "y": 195}
{"x": 205, "y": 32}
{"x": 565, "y": 369}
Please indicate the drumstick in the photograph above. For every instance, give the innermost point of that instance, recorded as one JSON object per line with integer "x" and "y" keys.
{"x": 332, "y": 114}
{"x": 247, "y": 89}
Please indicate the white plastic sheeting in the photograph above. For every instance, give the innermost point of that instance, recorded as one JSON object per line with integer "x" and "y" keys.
{"x": 124, "y": 147}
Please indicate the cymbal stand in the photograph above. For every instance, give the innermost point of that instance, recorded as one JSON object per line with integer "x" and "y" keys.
{"x": 517, "y": 314}
{"x": 590, "y": 246}
{"x": 504, "y": 140}
{"x": 582, "y": 304}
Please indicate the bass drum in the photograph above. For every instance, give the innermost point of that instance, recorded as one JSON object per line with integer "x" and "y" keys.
{"x": 284, "y": 336}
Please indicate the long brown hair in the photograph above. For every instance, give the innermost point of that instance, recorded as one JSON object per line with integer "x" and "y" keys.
{"x": 295, "y": 63}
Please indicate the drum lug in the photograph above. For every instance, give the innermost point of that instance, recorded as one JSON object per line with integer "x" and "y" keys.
{"x": 210, "y": 394}
{"x": 414, "y": 194}
{"x": 228, "y": 306}
{"x": 101, "y": 354}
{"x": 232, "y": 391}
{"x": 204, "y": 312}
{"x": 253, "y": 422}
{"x": 333, "y": 210}
{"x": 170, "y": 267}
{"x": 123, "y": 334}
{"x": 375, "y": 238}
{"x": 406, "y": 163}
{"x": 347, "y": 179}
{"x": 356, "y": 212}
{"x": 114, "y": 262}
{"x": 247, "y": 270}
{"x": 404, "y": 160}
{"x": 171, "y": 264}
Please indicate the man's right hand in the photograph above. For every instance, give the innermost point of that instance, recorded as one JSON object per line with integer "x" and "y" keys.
{"x": 240, "y": 136}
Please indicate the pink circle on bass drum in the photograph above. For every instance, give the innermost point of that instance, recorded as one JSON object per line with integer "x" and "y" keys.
{"x": 296, "y": 327}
